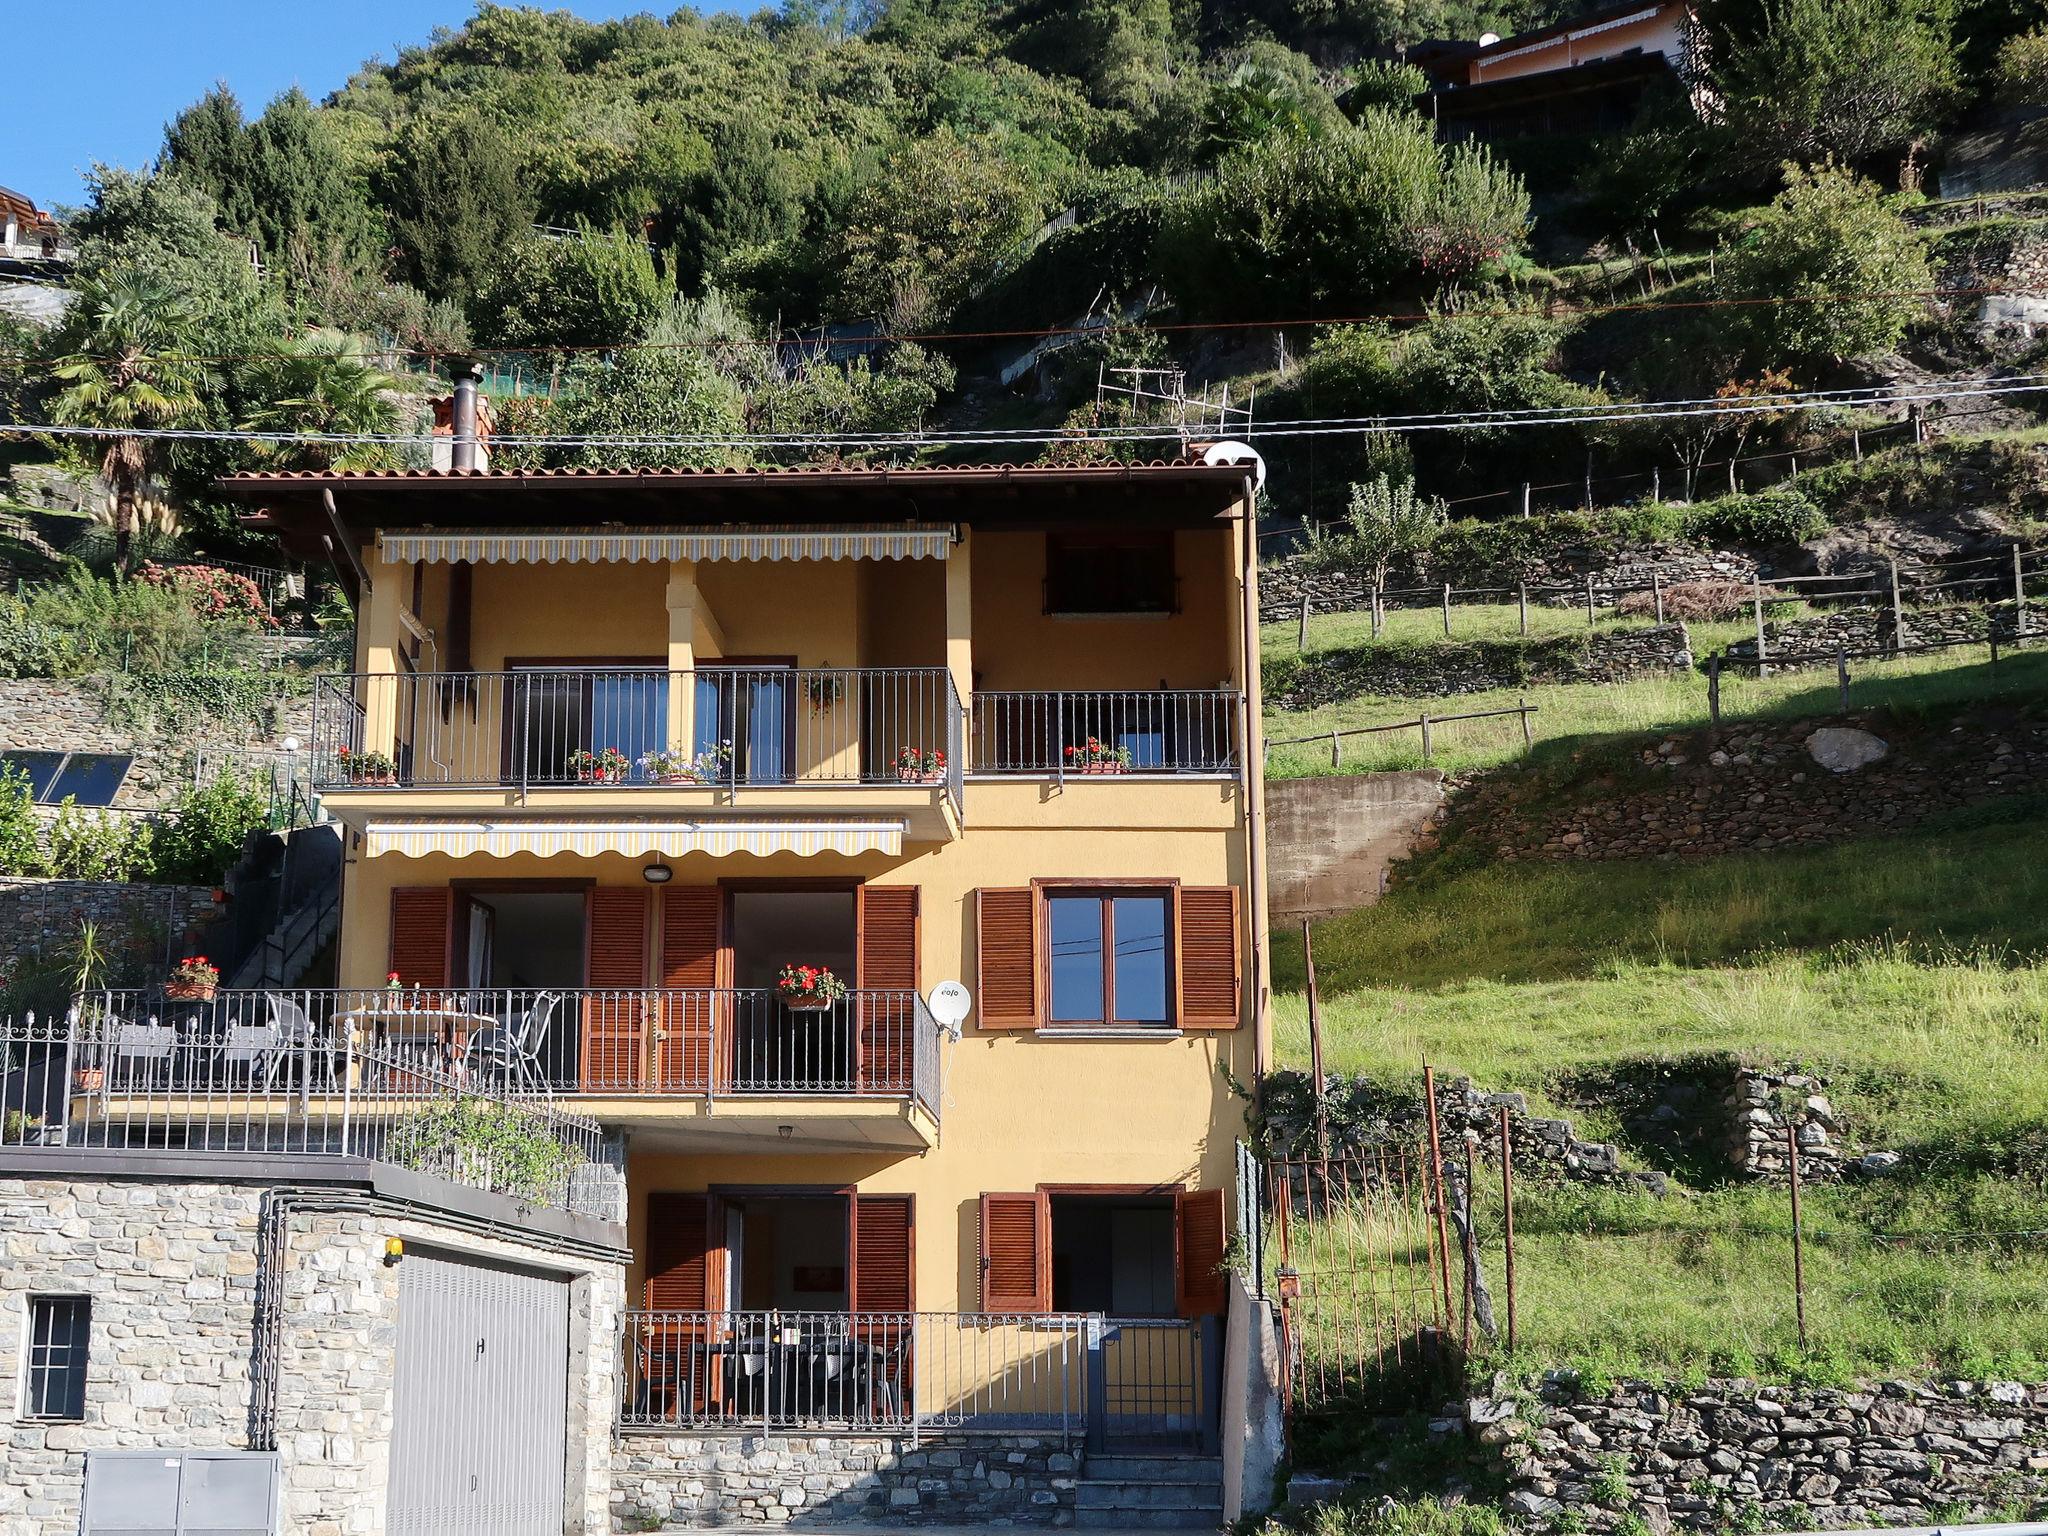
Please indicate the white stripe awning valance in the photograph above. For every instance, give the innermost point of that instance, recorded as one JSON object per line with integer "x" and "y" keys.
{"x": 900, "y": 541}
{"x": 418, "y": 837}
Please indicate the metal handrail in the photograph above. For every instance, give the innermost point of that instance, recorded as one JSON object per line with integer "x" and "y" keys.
{"x": 1146, "y": 730}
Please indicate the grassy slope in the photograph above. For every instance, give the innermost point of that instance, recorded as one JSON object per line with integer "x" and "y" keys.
{"x": 1909, "y": 970}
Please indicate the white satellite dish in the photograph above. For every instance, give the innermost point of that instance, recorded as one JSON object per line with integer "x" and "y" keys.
{"x": 950, "y": 1004}
{"x": 1231, "y": 451}
{"x": 1488, "y": 39}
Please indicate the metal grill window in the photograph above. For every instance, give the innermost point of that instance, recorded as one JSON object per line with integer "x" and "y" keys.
{"x": 58, "y": 1330}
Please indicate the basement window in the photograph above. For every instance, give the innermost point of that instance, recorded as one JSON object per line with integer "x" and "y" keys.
{"x": 59, "y": 1328}
{"x": 89, "y": 778}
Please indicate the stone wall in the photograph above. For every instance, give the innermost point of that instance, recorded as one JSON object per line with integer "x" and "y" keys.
{"x": 171, "y": 1267}
{"x": 662, "y": 1480}
{"x": 1897, "y": 1453}
{"x": 142, "y": 927}
{"x": 1441, "y": 668}
{"x": 1330, "y": 841}
{"x": 45, "y": 714}
{"x": 1872, "y": 629}
{"x": 1760, "y": 786}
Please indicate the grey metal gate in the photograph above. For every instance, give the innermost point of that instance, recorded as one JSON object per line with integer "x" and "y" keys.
{"x": 480, "y": 1404}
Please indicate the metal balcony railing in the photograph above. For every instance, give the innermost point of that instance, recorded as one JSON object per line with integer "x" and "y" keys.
{"x": 265, "y": 1080}
{"x": 1179, "y": 730}
{"x": 1155, "y": 1379}
{"x": 524, "y": 1044}
{"x": 607, "y": 727}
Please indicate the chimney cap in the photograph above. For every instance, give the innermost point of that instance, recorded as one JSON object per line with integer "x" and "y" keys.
{"x": 462, "y": 366}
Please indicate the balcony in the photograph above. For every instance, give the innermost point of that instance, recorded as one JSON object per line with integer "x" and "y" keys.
{"x": 1097, "y": 732}
{"x": 711, "y": 1066}
{"x": 600, "y": 731}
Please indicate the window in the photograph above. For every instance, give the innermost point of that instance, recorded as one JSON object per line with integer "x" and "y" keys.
{"x": 90, "y": 778}
{"x": 58, "y": 1328}
{"x": 1110, "y": 573}
{"x": 1110, "y": 961}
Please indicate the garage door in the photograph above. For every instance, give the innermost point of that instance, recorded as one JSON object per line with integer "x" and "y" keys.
{"x": 480, "y": 1407}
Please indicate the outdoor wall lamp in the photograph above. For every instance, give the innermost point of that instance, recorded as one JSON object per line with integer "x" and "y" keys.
{"x": 657, "y": 873}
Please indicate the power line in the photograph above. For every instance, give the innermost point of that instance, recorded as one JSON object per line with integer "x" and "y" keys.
{"x": 818, "y": 339}
{"x": 1589, "y": 415}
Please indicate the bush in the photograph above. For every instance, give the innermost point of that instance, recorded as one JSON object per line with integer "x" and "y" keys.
{"x": 208, "y": 827}
{"x": 217, "y": 596}
{"x": 97, "y": 845}
{"x": 1347, "y": 216}
{"x": 21, "y": 851}
{"x": 1758, "y": 520}
{"x": 85, "y": 624}
{"x": 1388, "y": 84}
{"x": 2022, "y": 69}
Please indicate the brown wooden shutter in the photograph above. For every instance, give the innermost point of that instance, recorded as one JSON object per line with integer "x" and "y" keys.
{"x": 615, "y": 959}
{"x": 882, "y": 1258}
{"x": 888, "y": 962}
{"x": 689, "y": 973}
{"x": 678, "y": 1248}
{"x": 1006, "y": 953}
{"x": 1207, "y": 948}
{"x": 1198, "y": 1252}
{"x": 1016, "y": 1253}
{"x": 422, "y": 930}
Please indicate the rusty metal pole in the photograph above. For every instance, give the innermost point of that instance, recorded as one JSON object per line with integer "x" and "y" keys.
{"x": 1315, "y": 1043}
{"x": 1436, "y": 1184}
{"x": 1798, "y": 1236}
{"x": 1469, "y": 1248}
{"x": 1507, "y": 1215}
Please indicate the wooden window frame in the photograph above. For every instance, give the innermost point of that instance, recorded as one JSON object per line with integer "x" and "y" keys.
{"x": 1059, "y": 543}
{"x": 1189, "y": 1300}
{"x": 1043, "y": 892}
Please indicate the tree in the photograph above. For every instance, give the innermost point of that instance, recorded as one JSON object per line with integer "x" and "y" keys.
{"x": 457, "y": 203}
{"x": 590, "y": 289}
{"x": 750, "y": 194}
{"x": 1834, "y": 78}
{"x": 125, "y": 363}
{"x": 1825, "y": 240}
{"x": 300, "y": 193}
{"x": 1350, "y": 215}
{"x": 668, "y": 388}
{"x": 1386, "y": 522}
{"x": 1271, "y": 90}
{"x": 207, "y": 145}
{"x": 2022, "y": 70}
{"x": 319, "y": 384}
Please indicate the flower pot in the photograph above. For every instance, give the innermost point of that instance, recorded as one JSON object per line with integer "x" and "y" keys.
{"x": 919, "y": 776}
{"x": 806, "y": 1002}
{"x": 89, "y": 1079}
{"x": 191, "y": 991}
{"x": 1104, "y": 768}
{"x": 679, "y": 778}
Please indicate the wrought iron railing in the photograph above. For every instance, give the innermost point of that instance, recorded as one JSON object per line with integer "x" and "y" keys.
{"x": 524, "y": 1043}
{"x": 1106, "y": 732}
{"x": 1153, "y": 1379}
{"x": 106, "y": 1078}
{"x": 611, "y": 727}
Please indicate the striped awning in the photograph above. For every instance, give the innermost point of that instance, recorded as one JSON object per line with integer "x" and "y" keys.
{"x": 898, "y": 541}
{"x": 418, "y": 837}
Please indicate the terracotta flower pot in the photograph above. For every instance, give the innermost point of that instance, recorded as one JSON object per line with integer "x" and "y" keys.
{"x": 191, "y": 991}
{"x": 89, "y": 1079}
{"x": 806, "y": 1002}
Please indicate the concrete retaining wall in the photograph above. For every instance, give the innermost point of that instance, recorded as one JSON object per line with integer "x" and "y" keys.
{"x": 1329, "y": 841}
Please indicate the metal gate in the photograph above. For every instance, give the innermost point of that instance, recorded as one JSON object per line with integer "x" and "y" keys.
{"x": 480, "y": 1405}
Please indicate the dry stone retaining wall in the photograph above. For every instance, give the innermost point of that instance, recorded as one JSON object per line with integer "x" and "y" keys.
{"x": 1897, "y": 1453}
{"x": 1479, "y": 666}
{"x": 1872, "y": 629}
{"x": 139, "y": 925}
{"x": 662, "y": 1480}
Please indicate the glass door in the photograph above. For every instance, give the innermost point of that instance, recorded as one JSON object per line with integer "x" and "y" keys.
{"x": 747, "y": 710}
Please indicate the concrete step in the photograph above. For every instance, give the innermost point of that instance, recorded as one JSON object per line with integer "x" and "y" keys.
{"x": 1149, "y": 1519}
{"x": 1109, "y": 1467}
{"x": 1090, "y": 1494}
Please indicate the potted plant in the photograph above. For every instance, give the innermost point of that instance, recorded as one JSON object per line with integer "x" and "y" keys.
{"x": 824, "y": 689}
{"x": 607, "y": 765}
{"x": 808, "y": 988}
{"x": 89, "y": 1079}
{"x": 1096, "y": 756}
{"x": 192, "y": 980}
{"x": 392, "y": 983}
{"x": 371, "y": 768}
{"x": 916, "y": 765}
{"x": 706, "y": 767}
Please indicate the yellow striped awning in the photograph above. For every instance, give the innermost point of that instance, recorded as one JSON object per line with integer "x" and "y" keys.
{"x": 418, "y": 837}
{"x": 890, "y": 541}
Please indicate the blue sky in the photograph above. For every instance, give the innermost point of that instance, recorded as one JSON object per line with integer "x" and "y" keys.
{"x": 98, "y": 79}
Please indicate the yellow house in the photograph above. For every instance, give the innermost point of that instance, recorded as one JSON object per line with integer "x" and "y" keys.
{"x": 628, "y": 759}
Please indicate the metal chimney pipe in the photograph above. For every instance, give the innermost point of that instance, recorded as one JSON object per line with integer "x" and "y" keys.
{"x": 466, "y": 371}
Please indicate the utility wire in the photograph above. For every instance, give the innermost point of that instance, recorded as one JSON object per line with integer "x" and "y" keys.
{"x": 1624, "y": 411}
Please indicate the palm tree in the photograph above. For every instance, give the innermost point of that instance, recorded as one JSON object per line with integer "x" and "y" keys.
{"x": 125, "y": 367}
{"x": 317, "y": 383}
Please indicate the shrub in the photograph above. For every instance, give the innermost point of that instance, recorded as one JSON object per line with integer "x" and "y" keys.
{"x": 487, "y": 1146}
{"x": 2022, "y": 69}
{"x": 204, "y": 836}
{"x": 217, "y": 596}
{"x": 20, "y": 851}
{"x": 1388, "y": 84}
{"x": 97, "y": 845}
{"x": 1761, "y": 519}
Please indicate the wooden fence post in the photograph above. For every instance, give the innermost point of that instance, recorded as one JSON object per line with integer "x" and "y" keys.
{"x": 1656, "y": 482}
{"x": 1447, "y": 610}
{"x": 1898, "y": 611}
{"x": 1336, "y": 751}
{"x": 1714, "y": 689}
{"x": 1522, "y": 603}
{"x": 1589, "y": 598}
{"x": 1856, "y": 443}
{"x": 1379, "y": 615}
{"x": 1528, "y": 737}
{"x": 1756, "y": 588}
{"x": 1525, "y": 498}
{"x": 2019, "y": 595}
{"x": 1425, "y": 735}
{"x": 1657, "y": 592}
{"x": 1842, "y": 675}
{"x": 1507, "y": 1217}
{"x": 1301, "y": 633}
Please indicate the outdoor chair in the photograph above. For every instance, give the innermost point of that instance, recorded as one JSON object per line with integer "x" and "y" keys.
{"x": 297, "y": 1036}
{"x": 512, "y": 1051}
{"x": 251, "y": 1048}
{"x": 140, "y": 1052}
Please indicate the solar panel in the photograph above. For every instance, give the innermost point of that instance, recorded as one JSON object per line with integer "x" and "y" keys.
{"x": 41, "y": 768}
{"x": 91, "y": 778}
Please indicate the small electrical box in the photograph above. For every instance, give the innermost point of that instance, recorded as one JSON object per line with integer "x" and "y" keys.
{"x": 180, "y": 1493}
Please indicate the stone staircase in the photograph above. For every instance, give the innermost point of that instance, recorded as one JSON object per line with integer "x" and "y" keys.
{"x": 1166, "y": 1491}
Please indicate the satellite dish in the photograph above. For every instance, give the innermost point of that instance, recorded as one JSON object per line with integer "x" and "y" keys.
{"x": 950, "y": 1004}
{"x": 1231, "y": 451}
{"x": 1488, "y": 39}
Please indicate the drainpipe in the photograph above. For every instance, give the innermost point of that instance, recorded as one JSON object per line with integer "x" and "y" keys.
{"x": 466, "y": 372}
{"x": 1252, "y": 766}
